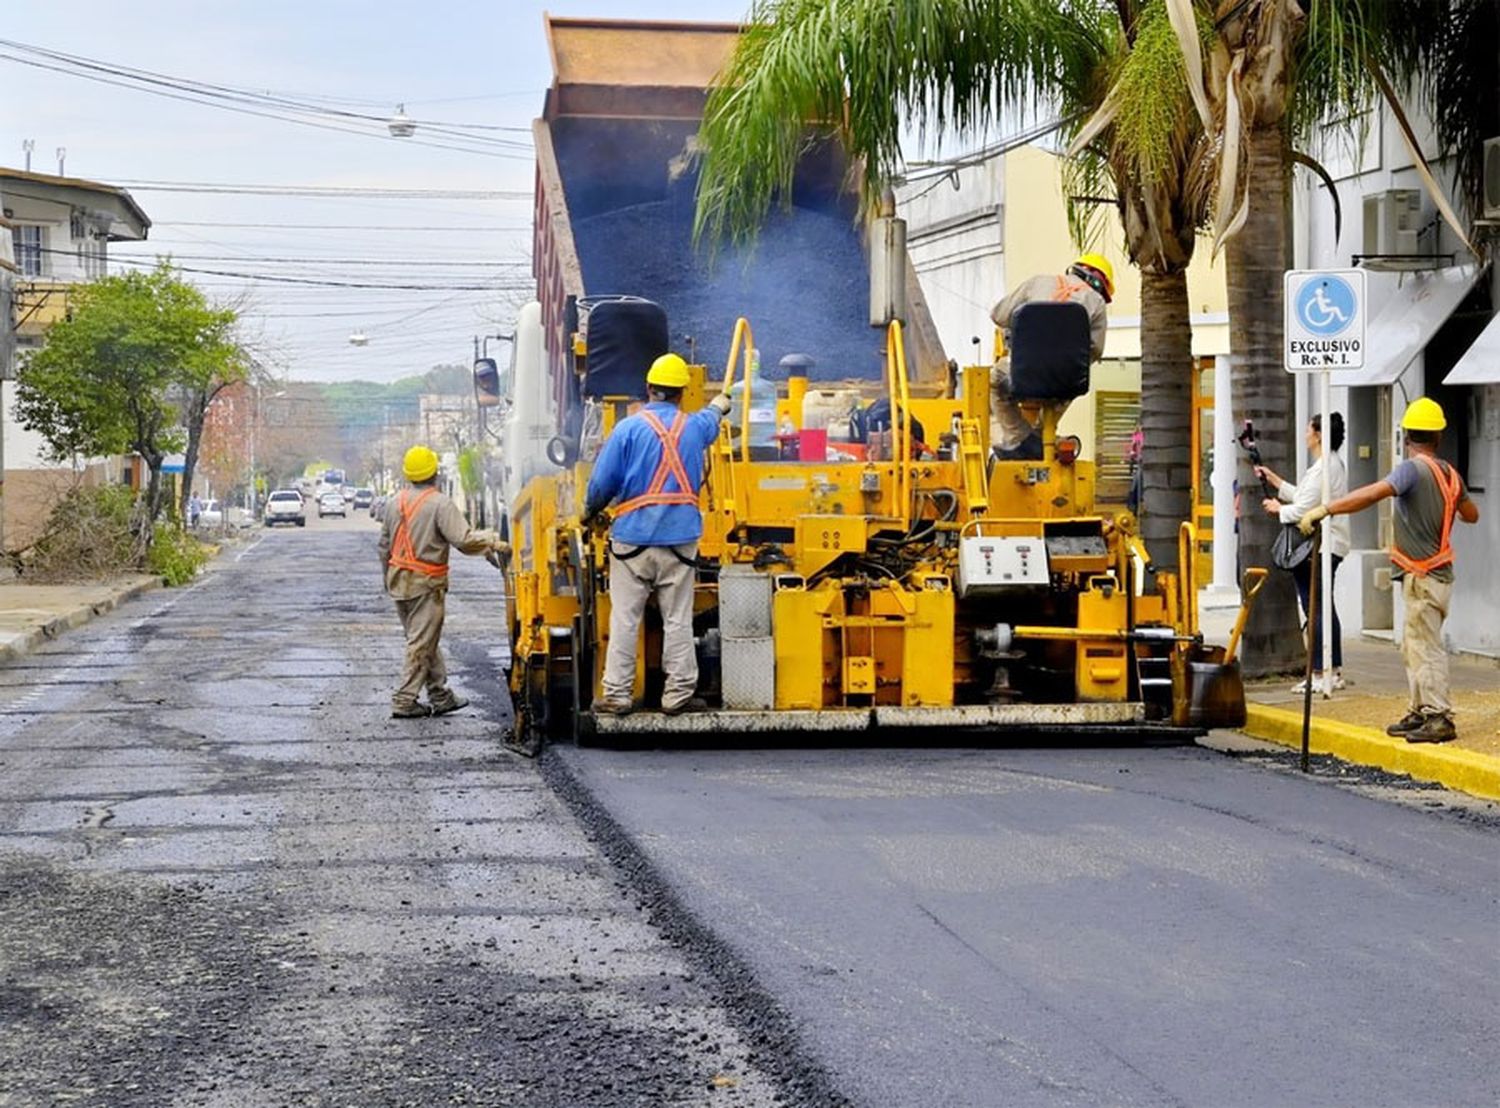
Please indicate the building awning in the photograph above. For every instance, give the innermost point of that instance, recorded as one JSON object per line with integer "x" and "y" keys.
{"x": 1405, "y": 325}
{"x": 1480, "y": 364}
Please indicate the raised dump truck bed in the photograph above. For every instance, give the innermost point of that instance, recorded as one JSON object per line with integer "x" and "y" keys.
{"x": 615, "y": 201}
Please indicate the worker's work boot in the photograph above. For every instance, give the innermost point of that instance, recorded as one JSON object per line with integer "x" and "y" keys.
{"x": 410, "y": 711}
{"x": 1407, "y": 723}
{"x": 446, "y": 702}
{"x": 610, "y": 706}
{"x": 691, "y": 704}
{"x": 1434, "y": 729}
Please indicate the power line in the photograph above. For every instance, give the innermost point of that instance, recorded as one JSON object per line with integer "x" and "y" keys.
{"x": 265, "y": 115}
{"x": 338, "y": 226}
{"x": 383, "y": 192}
{"x": 394, "y": 263}
{"x": 229, "y": 98}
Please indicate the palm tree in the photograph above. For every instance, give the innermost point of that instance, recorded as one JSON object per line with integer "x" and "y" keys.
{"x": 1277, "y": 70}
{"x": 864, "y": 70}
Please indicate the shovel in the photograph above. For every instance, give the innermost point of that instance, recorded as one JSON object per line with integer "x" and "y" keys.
{"x": 1255, "y": 578}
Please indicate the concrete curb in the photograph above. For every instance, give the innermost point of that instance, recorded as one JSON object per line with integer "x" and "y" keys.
{"x": 1463, "y": 770}
{"x": 23, "y": 643}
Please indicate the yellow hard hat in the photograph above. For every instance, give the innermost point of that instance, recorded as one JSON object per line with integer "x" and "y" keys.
{"x": 668, "y": 372}
{"x": 419, "y": 464}
{"x": 1100, "y": 264}
{"x": 1424, "y": 414}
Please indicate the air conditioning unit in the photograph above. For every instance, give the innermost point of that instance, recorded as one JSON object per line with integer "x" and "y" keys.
{"x": 1492, "y": 178}
{"x": 1393, "y": 221}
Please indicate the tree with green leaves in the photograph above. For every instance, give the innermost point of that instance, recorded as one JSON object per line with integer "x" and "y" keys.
{"x": 122, "y": 371}
{"x": 1265, "y": 79}
{"x": 865, "y": 71}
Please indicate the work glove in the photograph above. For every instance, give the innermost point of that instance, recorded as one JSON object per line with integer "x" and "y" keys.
{"x": 722, "y": 402}
{"x": 597, "y": 521}
{"x": 1308, "y": 523}
{"x": 493, "y": 541}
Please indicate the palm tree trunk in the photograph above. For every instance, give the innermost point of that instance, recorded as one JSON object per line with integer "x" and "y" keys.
{"x": 1262, "y": 391}
{"x": 1166, "y": 411}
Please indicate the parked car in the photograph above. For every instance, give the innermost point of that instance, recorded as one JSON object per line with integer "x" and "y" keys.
{"x": 285, "y": 506}
{"x": 363, "y": 498}
{"x": 212, "y": 514}
{"x": 332, "y": 504}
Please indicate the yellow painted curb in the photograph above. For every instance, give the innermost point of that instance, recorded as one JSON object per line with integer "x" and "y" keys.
{"x": 1464, "y": 770}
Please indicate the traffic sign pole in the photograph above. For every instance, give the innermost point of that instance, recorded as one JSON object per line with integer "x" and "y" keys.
{"x": 1325, "y": 330}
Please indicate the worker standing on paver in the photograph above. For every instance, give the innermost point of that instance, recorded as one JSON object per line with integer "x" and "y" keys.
{"x": 651, "y": 468}
{"x": 417, "y": 529}
{"x": 1430, "y": 495}
{"x": 1089, "y": 281}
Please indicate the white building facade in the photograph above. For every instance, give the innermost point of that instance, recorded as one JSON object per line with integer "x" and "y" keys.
{"x": 1432, "y": 331}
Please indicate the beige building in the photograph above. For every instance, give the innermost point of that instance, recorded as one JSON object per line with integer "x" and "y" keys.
{"x": 58, "y": 231}
{"x": 1006, "y": 221}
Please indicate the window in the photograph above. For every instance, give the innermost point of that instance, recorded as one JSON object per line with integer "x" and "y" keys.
{"x": 29, "y": 250}
{"x": 91, "y": 257}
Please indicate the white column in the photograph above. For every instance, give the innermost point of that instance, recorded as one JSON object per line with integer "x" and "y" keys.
{"x": 1225, "y": 588}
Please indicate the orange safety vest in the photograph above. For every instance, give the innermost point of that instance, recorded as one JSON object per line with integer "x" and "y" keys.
{"x": 1450, "y": 486}
{"x": 669, "y": 466}
{"x": 403, "y": 555}
{"x": 1066, "y": 288}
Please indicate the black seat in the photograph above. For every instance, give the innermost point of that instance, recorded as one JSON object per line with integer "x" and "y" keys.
{"x": 1050, "y": 343}
{"x": 625, "y": 334}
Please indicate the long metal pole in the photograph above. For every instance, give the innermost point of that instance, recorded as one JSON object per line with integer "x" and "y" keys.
{"x": 1325, "y": 618}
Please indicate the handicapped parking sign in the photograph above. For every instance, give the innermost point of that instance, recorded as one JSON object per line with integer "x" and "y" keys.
{"x": 1325, "y": 319}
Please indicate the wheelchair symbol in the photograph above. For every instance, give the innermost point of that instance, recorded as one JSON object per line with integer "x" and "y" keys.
{"x": 1325, "y": 305}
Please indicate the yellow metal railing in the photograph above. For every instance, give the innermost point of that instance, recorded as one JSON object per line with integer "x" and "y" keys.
{"x": 740, "y": 346}
{"x": 900, "y": 387}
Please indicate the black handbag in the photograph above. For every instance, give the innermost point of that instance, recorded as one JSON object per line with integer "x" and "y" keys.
{"x": 1292, "y": 547}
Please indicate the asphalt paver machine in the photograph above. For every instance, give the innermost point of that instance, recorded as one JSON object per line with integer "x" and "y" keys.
{"x": 872, "y": 569}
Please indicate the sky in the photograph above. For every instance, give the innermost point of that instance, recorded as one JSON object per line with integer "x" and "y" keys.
{"x": 449, "y": 62}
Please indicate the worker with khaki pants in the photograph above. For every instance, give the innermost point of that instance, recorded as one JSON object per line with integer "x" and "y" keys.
{"x": 650, "y": 469}
{"x": 418, "y": 527}
{"x": 1430, "y": 496}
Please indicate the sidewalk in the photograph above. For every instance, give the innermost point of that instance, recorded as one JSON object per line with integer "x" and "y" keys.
{"x": 33, "y": 614}
{"x": 1351, "y": 724}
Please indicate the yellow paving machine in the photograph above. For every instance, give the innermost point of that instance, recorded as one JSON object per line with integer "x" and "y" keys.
{"x": 866, "y": 563}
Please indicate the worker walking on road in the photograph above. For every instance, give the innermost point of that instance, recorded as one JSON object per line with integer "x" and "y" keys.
{"x": 1430, "y": 495}
{"x": 1089, "y": 281}
{"x": 651, "y": 468}
{"x": 418, "y": 527}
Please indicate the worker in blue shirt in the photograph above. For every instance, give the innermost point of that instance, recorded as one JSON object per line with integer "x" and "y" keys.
{"x": 651, "y": 468}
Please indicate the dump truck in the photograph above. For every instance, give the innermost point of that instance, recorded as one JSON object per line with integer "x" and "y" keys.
{"x": 866, "y": 563}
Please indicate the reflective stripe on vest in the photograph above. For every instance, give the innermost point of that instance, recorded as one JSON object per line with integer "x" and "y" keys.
{"x": 1449, "y": 485}
{"x": 669, "y": 466}
{"x": 403, "y": 554}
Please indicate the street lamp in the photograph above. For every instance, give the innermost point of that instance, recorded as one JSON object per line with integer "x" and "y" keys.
{"x": 401, "y": 124}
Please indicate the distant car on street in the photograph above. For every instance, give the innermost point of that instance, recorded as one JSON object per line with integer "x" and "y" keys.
{"x": 332, "y": 504}
{"x": 348, "y": 491}
{"x": 285, "y": 506}
{"x": 212, "y": 514}
{"x": 377, "y": 506}
{"x": 363, "y": 498}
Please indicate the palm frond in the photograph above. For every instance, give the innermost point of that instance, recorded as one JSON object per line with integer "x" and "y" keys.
{"x": 866, "y": 70}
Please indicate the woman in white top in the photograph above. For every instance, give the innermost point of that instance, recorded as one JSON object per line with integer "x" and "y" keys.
{"x": 1292, "y": 503}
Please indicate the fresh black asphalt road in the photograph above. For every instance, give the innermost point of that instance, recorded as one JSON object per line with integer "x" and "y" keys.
{"x": 228, "y": 878}
{"x": 1086, "y": 927}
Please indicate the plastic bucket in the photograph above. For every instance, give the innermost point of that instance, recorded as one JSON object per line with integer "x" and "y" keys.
{"x": 812, "y": 444}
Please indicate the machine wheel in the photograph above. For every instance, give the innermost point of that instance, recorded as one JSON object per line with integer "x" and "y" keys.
{"x": 528, "y": 732}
